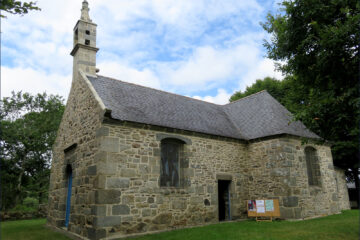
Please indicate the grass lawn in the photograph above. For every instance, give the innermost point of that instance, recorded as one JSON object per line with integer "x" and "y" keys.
{"x": 339, "y": 227}
{"x": 28, "y": 230}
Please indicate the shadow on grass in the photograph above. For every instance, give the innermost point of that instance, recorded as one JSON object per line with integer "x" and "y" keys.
{"x": 335, "y": 227}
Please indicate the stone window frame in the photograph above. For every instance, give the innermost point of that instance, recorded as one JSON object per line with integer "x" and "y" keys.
{"x": 312, "y": 166}
{"x": 179, "y": 147}
{"x": 184, "y": 180}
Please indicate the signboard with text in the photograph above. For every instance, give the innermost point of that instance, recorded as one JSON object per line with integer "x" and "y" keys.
{"x": 263, "y": 208}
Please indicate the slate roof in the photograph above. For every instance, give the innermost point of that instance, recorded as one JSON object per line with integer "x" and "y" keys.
{"x": 258, "y": 115}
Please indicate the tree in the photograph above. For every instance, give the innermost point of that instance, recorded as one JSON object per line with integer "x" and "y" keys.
{"x": 319, "y": 42}
{"x": 287, "y": 91}
{"x": 273, "y": 86}
{"x": 28, "y": 130}
{"x": 17, "y": 7}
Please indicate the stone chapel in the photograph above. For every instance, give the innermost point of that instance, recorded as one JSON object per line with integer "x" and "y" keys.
{"x": 130, "y": 159}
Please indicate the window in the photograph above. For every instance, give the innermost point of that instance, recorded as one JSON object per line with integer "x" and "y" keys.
{"x": 170, "y": 163}
{"x": 313, "y": 167}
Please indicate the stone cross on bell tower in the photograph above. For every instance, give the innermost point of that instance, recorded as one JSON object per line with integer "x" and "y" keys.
{"x": 84, "y": 51}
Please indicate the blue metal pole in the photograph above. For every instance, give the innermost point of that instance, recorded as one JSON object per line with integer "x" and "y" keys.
{"x": 68, "y": 201}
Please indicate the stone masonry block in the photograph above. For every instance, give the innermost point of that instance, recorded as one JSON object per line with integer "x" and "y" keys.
{"x": 110, "y": 144}
{"x": 280, "y": 172}
{"x": 188, "y": 172}
{"x": 120, "y": 209}
{"x": 286, "y": 213}
{"x": 146, "y": 212}
{"x": 335, "y": 197}
{"x": 99, "y": 182}
{"x": 111, "y": 196}
{"x": 100, "y": 156}
{"x": 184, "y": 162}
{"x": 107, "y": 221}
{"x": 163, "y": 218}
{"x": 161, "y": 136}
{"x": 98, "y": 210}
{"x": 117, "y": 183}
{"x": 91, "y": 170}
{"x": 95, "y": 234}
{"x": 103, "y": 131}
{"x": 297, "y": 213}
{"x": 156, "y": 152}
{"x": 196, "y": 200}
{"x": 290, "y": 201}
{"x": 128, "y": 173}
{"x": 179, "y": 204}
{"x": 107, "y": 168}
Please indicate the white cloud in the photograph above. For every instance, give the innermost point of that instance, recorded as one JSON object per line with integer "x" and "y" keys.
{"x": 210, "y": 68}
{"x": 204, "y": 68}
{"x": 33, "y": 81}
{"x": 189, "y": 47}
{"x": 120, "y": 71}
{"x": 263, "y": 68}
{"x": 222, "y": 97}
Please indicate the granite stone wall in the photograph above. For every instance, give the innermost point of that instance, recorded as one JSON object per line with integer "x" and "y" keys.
{"x": 78, "y": 129}
{"x": 279, "y": 170}
{"x": 129, "y": 198}
{"x": 342, "y": 190}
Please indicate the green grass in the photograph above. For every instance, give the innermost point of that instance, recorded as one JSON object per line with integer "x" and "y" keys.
{"x": 30, "y": 230}
{"x": 339, "y": 227}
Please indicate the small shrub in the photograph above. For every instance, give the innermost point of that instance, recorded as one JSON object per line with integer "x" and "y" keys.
{"x": 31, "y": 202}
{"x": 22, "y": 208}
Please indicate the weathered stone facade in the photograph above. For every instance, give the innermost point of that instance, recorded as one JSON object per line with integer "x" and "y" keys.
{"x": 82, "y": 117}
{"x": 129, "y": 169}
{"x": 115, "y": 167}
{"x": 279, "y": 170}
{"x": 117, "y": 173}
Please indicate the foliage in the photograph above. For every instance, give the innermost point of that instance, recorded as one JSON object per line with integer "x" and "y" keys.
{"x": 28, "y": 130}
{"x": 318, "y": 41}
{"x": 273, "y": 86}
{"x": 23, "y": 209}
{"x": 31, "y": 202}
{"x": 17, "y": 7}
{"x": 320, "y": 48}
{"x": 287, "y": 92}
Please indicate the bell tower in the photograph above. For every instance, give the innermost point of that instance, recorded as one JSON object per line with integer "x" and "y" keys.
{"x": 84, "y": 50}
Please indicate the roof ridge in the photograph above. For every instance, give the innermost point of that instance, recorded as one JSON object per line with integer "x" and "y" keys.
{"x": 228, "y": 116}
{"x": 251, "y": 95}
{"x": 159, "y": 90}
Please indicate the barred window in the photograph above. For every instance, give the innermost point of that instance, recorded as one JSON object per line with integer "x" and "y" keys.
{"x": 313, "y": 167}
{"x": 170, "y": 163}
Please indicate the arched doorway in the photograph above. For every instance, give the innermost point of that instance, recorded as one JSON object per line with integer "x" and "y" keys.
{"x": 68, "y": 197}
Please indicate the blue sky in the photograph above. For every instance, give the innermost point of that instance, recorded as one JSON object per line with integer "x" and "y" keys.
{"x": 206, "y": 49}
